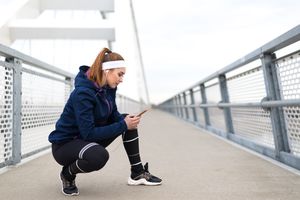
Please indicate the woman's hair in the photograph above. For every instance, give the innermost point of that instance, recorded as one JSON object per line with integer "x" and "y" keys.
{"x": 96, "y": 72}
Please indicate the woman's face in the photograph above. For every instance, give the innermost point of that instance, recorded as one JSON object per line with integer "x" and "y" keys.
{"x": 114, "y": 76}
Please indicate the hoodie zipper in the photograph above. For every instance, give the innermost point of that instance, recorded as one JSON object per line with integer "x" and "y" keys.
{"x": 109, "y": 106}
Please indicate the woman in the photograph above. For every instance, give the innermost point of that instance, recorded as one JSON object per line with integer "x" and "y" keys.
{"x": 90, "y": 122}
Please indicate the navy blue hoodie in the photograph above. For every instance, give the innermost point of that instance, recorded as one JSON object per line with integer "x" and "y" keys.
{"x": 90, "y": 113}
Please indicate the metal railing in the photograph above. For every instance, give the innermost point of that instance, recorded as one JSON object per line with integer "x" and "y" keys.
{"x": 254, "y": 101}
{"x": 32, "y": 97}
{"x": 129, "y": 105}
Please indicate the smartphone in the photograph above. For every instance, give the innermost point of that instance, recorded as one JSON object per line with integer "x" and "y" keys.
{"x": 140, "y": 114}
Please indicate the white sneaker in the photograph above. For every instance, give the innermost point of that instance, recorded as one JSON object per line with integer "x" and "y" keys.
{"x": 143, "y": 178}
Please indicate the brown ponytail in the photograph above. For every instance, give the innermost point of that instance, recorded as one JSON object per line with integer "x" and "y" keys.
{"x": 96, "y": 72}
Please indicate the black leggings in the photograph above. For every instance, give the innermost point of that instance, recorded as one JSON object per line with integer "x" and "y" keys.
{"x": 82, "y": 156}
{"x": 92, "y": 156}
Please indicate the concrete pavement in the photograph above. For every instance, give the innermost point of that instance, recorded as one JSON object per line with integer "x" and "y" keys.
{"x": 192, "y": 163}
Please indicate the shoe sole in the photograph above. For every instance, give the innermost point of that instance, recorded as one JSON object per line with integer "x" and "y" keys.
{"x": 73, "y": 194}
{"x": 141, "y": 182}
{"x": 62, "y": 189}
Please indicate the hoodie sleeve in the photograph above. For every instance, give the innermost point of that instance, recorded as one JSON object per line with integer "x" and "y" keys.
{"x": 83, "y": 102}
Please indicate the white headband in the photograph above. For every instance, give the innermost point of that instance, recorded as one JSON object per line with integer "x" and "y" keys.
{"x": 113, "y": 64}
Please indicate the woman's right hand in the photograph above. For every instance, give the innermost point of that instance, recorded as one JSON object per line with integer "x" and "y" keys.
{"x": 132, "y": 121}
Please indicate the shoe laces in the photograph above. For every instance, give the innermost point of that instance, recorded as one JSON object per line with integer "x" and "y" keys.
{"x": 146, "y": 172}
{"x": 71, "y": 183}
{"x": 68, "y": 183}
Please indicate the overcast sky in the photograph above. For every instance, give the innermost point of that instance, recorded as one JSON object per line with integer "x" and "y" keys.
{"x": 182, "y": 42}
{"x": 185, "y": 41}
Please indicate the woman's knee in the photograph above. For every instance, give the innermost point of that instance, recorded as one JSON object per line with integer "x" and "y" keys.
{"x": 97, "y": 156}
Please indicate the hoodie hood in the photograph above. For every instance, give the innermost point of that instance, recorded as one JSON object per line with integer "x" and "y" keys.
{"x": 81, "y": 79}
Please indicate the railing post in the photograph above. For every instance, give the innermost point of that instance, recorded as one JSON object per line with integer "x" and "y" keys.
{"x": 71, "y": 83}
{"x": 204, "y": 101}
{"x": 172, "y": 104}
{"x": 225, "y": 99}
{"x": 168, "y": 108}
{"x": 69, "y": 89}
{"x": 180, "y": 104}
{"x": 17, "y": 110}
{"x": 193, "y": 102}
{"x": 176, "y": 106}
{"x": 169, "y": 104}
{"x": 276, "y": 113}
{"x": 185, "y": 108}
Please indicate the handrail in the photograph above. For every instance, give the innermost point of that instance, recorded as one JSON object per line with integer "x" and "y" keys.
{"x": 9, "y": 52}
{"x": 263, "y": 104}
